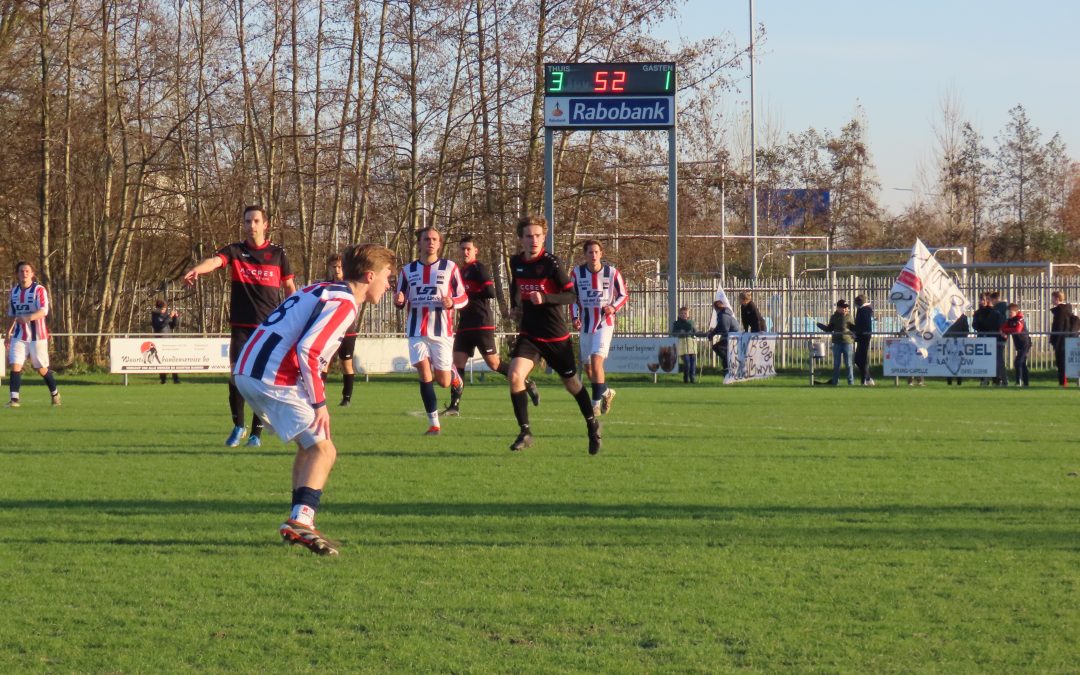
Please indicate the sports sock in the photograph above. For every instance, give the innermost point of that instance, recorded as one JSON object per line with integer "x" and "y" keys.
{"x": 456, "y": 380}
{"x": 503, "y": 369}
{"x": 15, "y": 384}
{"x": 427, "y": 395}
{"x": 256, "y": 425}
{"x": 50, "y": 379}
{"x": 236, "y": 405}
{"x": 305, "y": 503}
{"x": 347, "y": 387}
{"x": 433, "y": 419}
{"x": 521, "y": 407}
{"x": 598, "y": 389}
{"x": 584, "y": 404}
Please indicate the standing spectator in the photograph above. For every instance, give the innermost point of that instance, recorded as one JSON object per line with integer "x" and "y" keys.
{"x": 165, "y": 321}
{"x": 1014, "y": 326}
{"x": 959, "y": 329}
{"x": 346, "y": 351}
{"x": 726, "y": 324}
{"x": 1062, "y": 326}
{"x": 432, "y": 289}
{"x": 600, "y": 293}
{"x": 843, "y": 341}
{"x": 864, "y": 332}
{"x": 987, "y": 323}
{"x": 752, "y": 320}
{"x": 259, "y": 270}
{"x": 28, "y": 336}
{"x": 683, "y": 328}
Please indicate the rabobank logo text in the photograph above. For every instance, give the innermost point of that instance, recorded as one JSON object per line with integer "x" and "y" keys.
{"x": 636, "y": 111}
{"x": 597, "y": 112}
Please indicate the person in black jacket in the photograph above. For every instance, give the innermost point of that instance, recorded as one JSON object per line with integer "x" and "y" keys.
{"x": 1062, "y": 326}
{"x": 959, "y": 329}
{"x": 165, "y": 321}
{"x": 752, "y": 320}
{"x": 864, "y": 332}
{"x": 725, "y": 325}
{"x": 987, "y": 323}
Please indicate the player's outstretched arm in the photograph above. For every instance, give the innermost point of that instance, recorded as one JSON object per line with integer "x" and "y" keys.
{"x": 204, "y": 267}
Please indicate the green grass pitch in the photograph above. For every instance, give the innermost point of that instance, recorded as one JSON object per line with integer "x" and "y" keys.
{"x": 762, "y": 527}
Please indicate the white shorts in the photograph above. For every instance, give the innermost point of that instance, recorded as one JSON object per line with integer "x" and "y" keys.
{"x": 596, "y": 342}
{"x": 37, "y": 350}
{"x": 284, "y": 409}
{"x": 438, "y": 350}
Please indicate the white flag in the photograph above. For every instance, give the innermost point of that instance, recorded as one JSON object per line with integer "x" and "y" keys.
{"x": 721, "y": 296}
{"x": 926, "y": 298}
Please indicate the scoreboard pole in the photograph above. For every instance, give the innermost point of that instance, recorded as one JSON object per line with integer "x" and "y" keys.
{"x": 549, "y": 187}
{"x": 673, "y": 229}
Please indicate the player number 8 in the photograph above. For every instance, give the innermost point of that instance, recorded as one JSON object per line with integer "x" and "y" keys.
{"x": 279, "y": 313}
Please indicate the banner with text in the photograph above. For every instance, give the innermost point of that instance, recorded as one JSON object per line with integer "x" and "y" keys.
{"x": 391, "y": 355}
{"x": 945, "y": 357}
{"x": 169, "y": 355}
{"x": 643, "y": 355}
{"x": 1072, "y": 357}
{"x": 750, "y": 357}
{"x": 926, "y": 297}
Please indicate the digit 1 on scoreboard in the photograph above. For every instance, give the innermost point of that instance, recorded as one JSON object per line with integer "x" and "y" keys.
{"x": 667, "y": 81}
{"x": 557, "y": 81}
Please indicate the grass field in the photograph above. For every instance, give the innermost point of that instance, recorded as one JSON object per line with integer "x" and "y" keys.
{"x": 772, "y": 527}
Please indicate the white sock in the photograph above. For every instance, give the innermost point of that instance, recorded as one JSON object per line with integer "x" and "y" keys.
{"x": 302, "y": 513}
{"x": 433, "y": 418}
{"x": 595, "y": 403}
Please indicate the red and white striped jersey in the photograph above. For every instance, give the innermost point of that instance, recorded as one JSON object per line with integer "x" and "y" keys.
{"x": 596, "y": 290}
{"x": 424, "y": 287}
{"x": 298, "y": 339}
{"x": 26, "y": 301}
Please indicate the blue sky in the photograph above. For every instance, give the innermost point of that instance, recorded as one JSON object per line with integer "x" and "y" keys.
{"x": 898, "y": 60}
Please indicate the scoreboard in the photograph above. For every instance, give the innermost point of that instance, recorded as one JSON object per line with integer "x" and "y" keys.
{"x": 610, "y": 95}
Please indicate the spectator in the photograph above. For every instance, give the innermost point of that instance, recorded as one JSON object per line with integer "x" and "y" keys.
{"x": 864, "y": 332}
{"x": 752, "y": 320}
{"x": 1014, "y": 326}
{"x": 843, "y": 341}
{"x": 725, "y": 326}
{"x": 1063, "y": 325}
{"x": 1000, "y": 306}
{"x": 959, "y": 329}
{"x": 683, "y": 328}
{"x": 987, "y": 323}
{"x": 165, "y": 321}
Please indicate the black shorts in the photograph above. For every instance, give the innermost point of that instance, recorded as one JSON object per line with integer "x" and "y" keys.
{"x": 345, "y": 351}
{"x": 240, "y": 335}
{"x": 559, "y": 355}
{"x": 480, "y": 340}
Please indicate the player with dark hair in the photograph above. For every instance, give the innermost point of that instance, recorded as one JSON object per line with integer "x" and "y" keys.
{"x": 539, "y": 292}
{"x": 348, "y": 343}
{"x": 258, "y": 270}
{"x": 476, "y": 326}
{"x": 432, "y": 289}
{"x": 28, "y": 336}
{"x": 278, "y": 374}
{"x": 600, "y": 293}
{"x": 164, "y": 321}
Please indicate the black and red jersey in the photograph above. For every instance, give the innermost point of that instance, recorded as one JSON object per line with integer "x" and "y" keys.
{"x": 545, "y": 322}
{"x": 257, "y": 275}
{"x": 477, "y": 315}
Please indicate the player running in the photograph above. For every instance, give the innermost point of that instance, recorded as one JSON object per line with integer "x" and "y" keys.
{"x": 539, "y": 290}
{"x": 28, "y": 336}
{"x": 278, "y": 375}
{"x": 258, "y": 270}
{"x": 348, "y": 343}
{"x": 600, "y": 293}
{"x": 476, "y": 326}
{"x": 432, "y": 288}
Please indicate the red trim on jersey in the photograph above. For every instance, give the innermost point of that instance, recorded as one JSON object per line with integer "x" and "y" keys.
{"x": 254, "y": 274}
{"x": 540, "y": 339}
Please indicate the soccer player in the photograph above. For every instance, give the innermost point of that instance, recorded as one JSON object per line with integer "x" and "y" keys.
{"x": 258, "y": 270}
{"x": 348, "y": 343}
{"x": 28, "y": 336}
{"x": 600, "y": 293}
{"x": 539, "y": 292}
{"x": 432, "y": 288}
{"x": 476, "y": 326}
{"x": 278, "y": 374}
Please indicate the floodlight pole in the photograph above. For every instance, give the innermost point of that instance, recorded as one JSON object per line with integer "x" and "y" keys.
{"x": 753, "y": 159}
